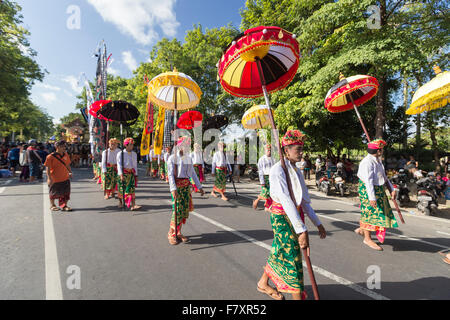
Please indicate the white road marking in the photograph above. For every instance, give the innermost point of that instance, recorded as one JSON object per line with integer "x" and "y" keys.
{"x": 53, "y": 290}
{"x": 317, "y": 269}
{"x": 447, "y": 234}
{"x": 2, "y": 189}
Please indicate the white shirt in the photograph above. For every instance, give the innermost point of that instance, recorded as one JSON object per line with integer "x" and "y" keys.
{"x": 219, "y": 160}
{"x": 197, "y": 157}
{"x": 279, "y": 192}
{"x": 129, "y": 160}
{"x": 265, "y": 163}
{"x": 371, "y": 172}
{"x": 166, "y": 156}
{"x": 185, "y": 169}
{"x": 112, "y": 158}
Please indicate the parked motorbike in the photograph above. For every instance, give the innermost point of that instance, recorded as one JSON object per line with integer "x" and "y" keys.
{"x": 400, "y": 183}
{"x": 322, "y": 181}
{"x": 253, "y": 173}
{"x": 427, "y": 196}
{"x": 339, "y": 182}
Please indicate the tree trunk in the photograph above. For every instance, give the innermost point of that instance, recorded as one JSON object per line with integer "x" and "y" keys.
{"x": 431, "y": 126}
{"x": 405, "y": 117}
{"x": 380, "y": 118}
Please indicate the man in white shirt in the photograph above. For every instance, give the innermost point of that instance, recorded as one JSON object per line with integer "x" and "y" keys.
{"x": 376, "y": 213}
{"x": 220, "y": 166}
{"x": 109, "y": 169}
{"x": 153, "y": 163}
{"x": 128, "y": 173}
{"x": 167, "y": 154}
{"x": 180, "y": 170}
{"x": 265, "y": 163}
{"x": 284, "y": 265}
{"x": 197, "y": 160}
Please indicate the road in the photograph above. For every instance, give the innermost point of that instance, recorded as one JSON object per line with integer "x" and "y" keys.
{"x": 100, "y": 252}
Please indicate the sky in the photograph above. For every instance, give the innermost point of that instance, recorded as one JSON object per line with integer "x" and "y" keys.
{"x": 65, "y": 34}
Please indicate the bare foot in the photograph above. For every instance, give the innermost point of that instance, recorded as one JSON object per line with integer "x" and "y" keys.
{"x": 255, "y": 204}
{"x": 359, "y": 231}
{"x": 214, "y": 195}
{"x": 135, "y": 208}
{"x": 372, "y": 245}
{"x": 224, "y": 198}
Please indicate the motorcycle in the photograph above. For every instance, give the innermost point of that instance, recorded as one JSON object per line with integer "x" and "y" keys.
{"x": 322, "y": 181}
{"x": 339, "y": 182}
{"x": 253, "y": 173}
{"x": 427, "y": 196}
{"x": 399, "y": 182}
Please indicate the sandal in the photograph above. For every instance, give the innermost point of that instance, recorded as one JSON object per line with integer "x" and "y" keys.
{"x": 274, "y": 294}
{"x": 135, "y": 208}
{"x": 183, "y": 238}
{"x": 55, "y": 208}
{"x": 67, "y": 209}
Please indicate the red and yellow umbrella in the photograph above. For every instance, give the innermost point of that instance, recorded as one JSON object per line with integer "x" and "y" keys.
{"x": 350, "y": 93}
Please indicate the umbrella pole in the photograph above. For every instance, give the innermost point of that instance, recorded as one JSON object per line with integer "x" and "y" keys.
{"x": 122, "y": 180}
{"x": 360, "y": 119}
{"x": 107, "y": 147}
{"x": 288, "y": 180}
{"x": 175, "y": 160}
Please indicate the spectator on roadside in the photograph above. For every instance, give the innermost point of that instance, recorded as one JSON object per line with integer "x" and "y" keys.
{"x": 34, "y": 160}
{"x": 412, "y": 163}
{"x": 319, "y": 163}
{"x": 43, "y": 153}
{"x": 401, "y": 163}
{"x": 23, "y": 161}
{"x": 13, "y": 159}
{"x": 308, "y": 166}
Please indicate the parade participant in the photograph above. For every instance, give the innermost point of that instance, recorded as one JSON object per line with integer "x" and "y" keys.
{"x": 109, "y": 169}
{"x": 23, "y": 161}
{"x": 59, "y": 174}
{"x": 220, "y": 165}
{"x": 284, "y": 265}
{"x": 376, "y": 213}
{"x": 197, "y": 160}
{"x": 128, "y": 173}
{"x": 180, "y": 170}
{"x": 162, "y": 166}
{"x": 166, "y": 158}
{"x": 265, "y": 163}
{"x": 153, "y": 162}
{"x": 34, "y": 160}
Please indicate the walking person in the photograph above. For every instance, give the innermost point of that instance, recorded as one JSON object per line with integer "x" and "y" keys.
{"x": 180, "y": 170}
{"x": 13, "y": 159}
{"x": 59, "y": 174}
{"x": 265, "y": 163}
{"x": 128, "y": 174}
{"x": 376, "y": 212}
{"x": 34, "y": 160}
{"x": 197, "y": 160}
{"x": 284, "y": 265}
{"x": 23, "y": 161}
{"x": 154, "y": 162}
{"x": 109, "y": 169}
{"x": 220, "y": 166}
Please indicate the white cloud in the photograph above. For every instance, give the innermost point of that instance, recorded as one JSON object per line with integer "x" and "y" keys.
{"x": 49, "y": 97}
{"x": 73, "y": 81}
{"x": 139, "y": 18}
{"x": 129, "y": 60}
{"x": 47, "y": 86}
{"x": 68, "y": 93}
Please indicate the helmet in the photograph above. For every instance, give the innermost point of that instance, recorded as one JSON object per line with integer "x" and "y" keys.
{"x": 32, "y": 141}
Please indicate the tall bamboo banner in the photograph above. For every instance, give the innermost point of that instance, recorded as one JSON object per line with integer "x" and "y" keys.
{"x": 159, "y": 131}
{"x": 148, "y": 129}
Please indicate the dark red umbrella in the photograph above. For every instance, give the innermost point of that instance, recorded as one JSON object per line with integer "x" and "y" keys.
{"x": 189, "y": 120}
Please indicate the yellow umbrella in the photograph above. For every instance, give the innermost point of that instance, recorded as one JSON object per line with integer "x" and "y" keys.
{"x": 257, "y": 117}
{"x": 174, "y": 91}
{"x": 432, "y": 95}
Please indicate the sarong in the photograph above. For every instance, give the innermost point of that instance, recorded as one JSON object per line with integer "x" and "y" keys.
{"x": 184, "y": 203}
{"x": 162, "y": 170}
{"x": 109, "y": 179}
{"x": 221, "y": 179}
{"x": 265, "y": 192}
{"x": 95, "y": 169}
{"x": 198, "y": 171}
{"x": 379, "y": 218}
{"x": 154, "y": 167}
{"x": 130, "y": 186}
{"x": 60, "y": 191}
{"x": 166, "y": 170}
{"x": 284, "y": 266}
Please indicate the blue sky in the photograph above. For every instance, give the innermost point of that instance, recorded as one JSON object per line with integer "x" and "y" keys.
{"x": 66, "y": 40}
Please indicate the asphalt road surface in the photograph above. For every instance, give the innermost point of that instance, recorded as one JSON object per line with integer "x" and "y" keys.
{"x": 100, "y": 252}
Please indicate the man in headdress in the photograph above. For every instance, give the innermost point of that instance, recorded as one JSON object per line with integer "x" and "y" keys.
{"x": 109, "y": 169}
{"x": 220, "y": 166}
{"x": 376, "y": 212}
{"x": 180, "y": 170}
{"x": 128, "y": 173}
{"x": 265, "y": 163}
{"x": 153, "y": 162}
{"x": 284, "y": 266}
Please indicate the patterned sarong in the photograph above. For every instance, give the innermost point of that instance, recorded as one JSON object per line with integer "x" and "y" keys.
{"x": 154, "y": 167}
{"x": 220, "y": 183}
{"x": 162, "y": 170}
{"x": 109, "y": 179}
{"x": 130, "y": 186}
{"x": 184, "y": 203}
{"x": 198, "y": 171}
{"x": 379, "y": 218}
{"x": 284, "y": 266}
{"x": 265, "y": 192}
{"x": 60, "y": 191}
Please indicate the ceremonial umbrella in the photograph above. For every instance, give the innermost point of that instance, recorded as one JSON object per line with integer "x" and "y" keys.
{"x": 257, "y": 117}
{"x": 350, "y": 93}
{"x": 215, "y": 122}
{"x": 96, "y": 106}
{"x": 432, "y": 95}
{"x": 174, "y": 91}
{"x": 123, "y": 112}
{"x": 189, "y": 120}
{"x": 258, "y": 62}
